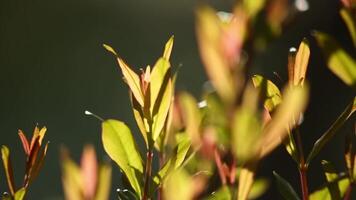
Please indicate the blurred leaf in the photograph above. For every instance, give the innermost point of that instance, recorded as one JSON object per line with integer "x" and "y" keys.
{"x": 179, "y": 186}
{"x": 324, "y": 192}
{"x": 301, "y": 62}
{"x": 161, "y": 95}
{"x": 104, "y": 182}
{"x": 331, "y": 175}
{"x": 326, "y": 137}
{"x": 139, "y": 117}
{"x": 20, "y": 194}
{"x": 5, "y": 154}
{"x": 349, "y": 156}
{"x": 89, "y": 170}
{"x": 253, "y": 7}
{"x": 191, "y": 117}
{"x": 168, "y": 48}
{"x": 284, "y": 188}
{"x": 339, "y": 62}
{"x": 222, "y": 193}
{"x": 209, "y": 32}
{"x": 259, "y": 187}
{"x": 246, "y": 180}
{"x": 270, "y": 91}
{"x": 291, "y": 147}
{"x": 350, "y": 23}
{"x": 293, "y": 104}
{"x": 120, "y": 145}
{"x": 72, "y": 179}
{"x": 246, "y": 130}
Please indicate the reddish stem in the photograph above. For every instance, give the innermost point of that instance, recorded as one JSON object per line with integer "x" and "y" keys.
{"x": 348, "y": 192}
{"x": 148, "y": 172}
{"x": 303, "y": 168}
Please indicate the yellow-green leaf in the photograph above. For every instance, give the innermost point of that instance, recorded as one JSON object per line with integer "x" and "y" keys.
{"x": 5, "y": 154}
{"x": 191, "y": 116}
{"x": 20, "y": 194}
{"x": 179, "y": 186}
{"x": 324, "y": 192}
{"x": 168, "y": 48}
{"x": 161, "y": 95}
{"x": 72, "y": 179}
{"x": 326, "y": 137}
{"x": 338, "y": 60}
{"x": 293, "y": 104}
{"x": 331, "y": 175}
{"x": 104, "y": 182}
{"x": 222, "y": 193}
{"x": 259, "y": 187}
{"x": 246, "y": 180}
{"x": 139, "y": 117}
{"x": 120, "y": 145}
{"x": 253, "y": 7}
{"x": 209, "y": 33}
{"x": 350, "y": 23}
{"x": 284, "y": 188}
{"x": 246, "y": 130}
{"x": 301, "y": 62}
{"x": 271, "y": 92}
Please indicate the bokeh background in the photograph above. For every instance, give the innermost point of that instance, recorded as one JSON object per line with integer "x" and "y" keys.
{"x": 53, "y": 67}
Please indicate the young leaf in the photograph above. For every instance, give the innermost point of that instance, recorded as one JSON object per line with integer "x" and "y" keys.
{"x": 120, "y": 145}
{"x": 103, "y": 187}
{"x": 71, "y": 178}
{"x": 350, "y": 23}
{"x": 324, "y": 192}
{"x": 258, "y": 188}
{"x": 161, "y": 95}
{"x": 285, "y": 189}
{"x": 168, "y": 48}
{"x": 20, "y": 194}
{"x": 326, "y": 137}
{"x": 271, "y": 92}
{"x": 339, "y": 62}
{"x": 294, "y": 103}
{"x": 5, "y": 154}
{"x": 209, "y": 32}
{"x": 139, "y": 117}
{"x": 24, "y": 141}
{"x": 301, "y": 62}
{"x": 245, "y": 182}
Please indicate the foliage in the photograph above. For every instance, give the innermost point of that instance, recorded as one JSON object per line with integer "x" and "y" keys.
{"x": 225, "y": 134}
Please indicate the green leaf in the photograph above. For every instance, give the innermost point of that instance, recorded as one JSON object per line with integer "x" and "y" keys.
{"x": 104, "y": 182}
{"x": 222, "y": 193}
{"x": 269, "y": 90}
{"x": 179, "y": 186}
{"x": 120, "y": 145}
{"x": 5, "y": 154}
{"x": 161, "y": 89}
{"x": 326, "y": 137}
{"x": 294, "y": 103}
{"x": 259, "y": 187}
{"x": 339, "y": 62}
{"x": 324, "y": 192}
{"x": 246, "y": 130}
{"x": 139, "y": 117}
{"x": 71, "y": 178}
{"x": 168, "y": 48}
{"x": 20, "y": 194}
{"x": 176, "y": 161}
{"x": 350, "y": 23}
{"x": 191, "y": 116}
{"x": 284, "y": 188}
{"x": 331, "y": 175}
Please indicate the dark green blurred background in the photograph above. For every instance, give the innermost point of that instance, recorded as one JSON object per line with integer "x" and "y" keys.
{"x": 53, "y": 67}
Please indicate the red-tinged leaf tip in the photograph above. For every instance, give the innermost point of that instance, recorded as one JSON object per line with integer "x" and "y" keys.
{"x": 24, "y": 141}
{"x": 89, "y": 169}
